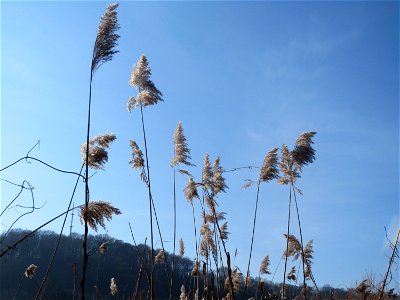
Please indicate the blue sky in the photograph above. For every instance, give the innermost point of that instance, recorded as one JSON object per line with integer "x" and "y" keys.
{"x": 243, "y": 77}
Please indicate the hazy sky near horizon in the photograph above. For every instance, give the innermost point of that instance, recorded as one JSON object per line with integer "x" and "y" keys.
{"x": 242, "y": 77}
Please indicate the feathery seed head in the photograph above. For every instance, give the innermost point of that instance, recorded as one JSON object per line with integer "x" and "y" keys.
{"x": 141, "y": 72}
{"x": 113, "y": 287}
{"x": 181, "y": 150}
{"x": 237, "y": 279}
{"x": 303, "y": 153}
{"x": 181, "y": 248}
{"x": 218, "y": 181}
{"x": 183, "y": 293}
{"x": 30, "y": 271}
{"x": 106, "y": 38}
{"x": 98, "y": 154}
{"x": 140, "y": 78}
{"x": 264, "y": 265}
{"x": 195, "y": 270}
{"x": 269, "y": 169}
{"x": 292, "y": 274}
{"x": 207, "y": 173}
{"x": 159, "y": 257}
{"x": 103, "y": 248}
{"x": 97, "y": 212}
{"x": 137, "y": 161}
{"x": 190, "y": 190}
{"x": 224, "y": 231}
{"x": 294, "y": 247}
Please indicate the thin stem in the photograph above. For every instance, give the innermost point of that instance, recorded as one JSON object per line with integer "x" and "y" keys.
{"x": 301, "y": 242}
{"x": 58, "y": 240}
{"x": 150, "y": 205}
{"x": 390, "y": 264}
{"x": 287, "y": 246}
{"x": 252, "y": 236}
{"x": 84, "y": 245}
{"x": 173, "y": 254}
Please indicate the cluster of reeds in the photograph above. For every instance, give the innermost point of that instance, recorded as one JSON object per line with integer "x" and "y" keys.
{"x": 221, "y": 278}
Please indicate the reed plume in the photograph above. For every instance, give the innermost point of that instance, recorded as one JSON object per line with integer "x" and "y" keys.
{"x": 137, "y": 161}
{"x": 292, "y": 274}
{"x": 269, "y": 169}
{"x": 106, "y": 38}
{"x": 181, "y": 248}
{"x": 103, "y": 247}
{"x": 218, "y": 181}
{"x": 207, "y": 174}
{"x": 294, "y": 247}
{"x": 183, "y": 293}
{"x": 303, "y": 153}
{"x": 159, "y": 257}
{"x": 113, "y": 287}
{"x": 97, "y": 212}
{"x": 224, "y": 231}
{"x": 237, "y": 279}
{"x": 98, "y": 154}
{"x": 195, "y": 270}
{"x": 190, "y": 190}
{"x": 30, "y": 271}
{"x": 140, "y": 78}
{"x": 181, "y": 150}
{"x": 265, "y": 265}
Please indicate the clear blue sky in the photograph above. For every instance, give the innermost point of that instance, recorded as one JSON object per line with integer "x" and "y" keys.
{"x": 243, "y": 78}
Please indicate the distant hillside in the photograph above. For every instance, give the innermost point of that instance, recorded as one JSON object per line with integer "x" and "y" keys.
{"x": 121, "y": 261}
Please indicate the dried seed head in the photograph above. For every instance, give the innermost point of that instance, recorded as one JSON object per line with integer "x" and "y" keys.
{"x": 103, "y": 248}
{"x": 308, "y": 251}
{"x": 207, "y": 241}
{"x": 195, "y": 270}
{"x": 183, "y": 293}
{"x": 224, "y": 231}
{"x": 98, "y": 154}
{"x": 237, "y": 280}
{"x": 106, "y": 38}
{"x": 190, "y": 190}
{"x": 264, "y": 265}
{"x": 97, "y": 212}
{"x": 286, "y": 166}
{"x": 303, "y": 153}
{"x": 292, "y": 274}
{"x": 294, "y": 247}
{"x": 207, "y": 173}
{"x": 159, "y": 257}
{"x": 137, "y": 161}
{"x": 181, "y": 150}
{"x": 140, "y": 78}
{"x": 218, "y": 181}
{"x": 141, "y": 72}
{"x": 30, "y": 271}
{"x": 269, "y": 169}
{"x": 113, "y": 287}
{"x": 181, "y": 248}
